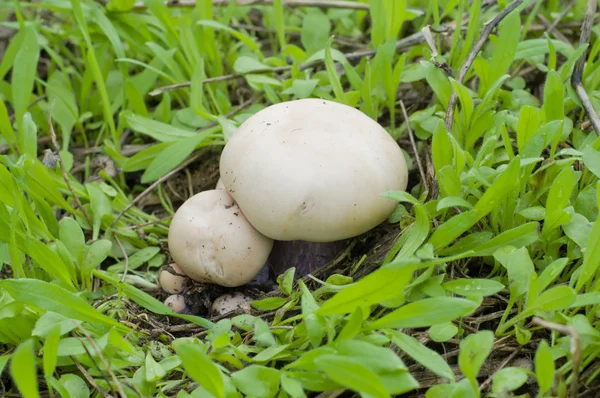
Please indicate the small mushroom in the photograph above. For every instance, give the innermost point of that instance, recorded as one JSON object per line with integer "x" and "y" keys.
{"x": 236, "y": 302}
{"x": 172, "y": 282}
{"x": 312, "y": 170}
{"x": 211, "y": 240}
{"x": 176, "y": 302}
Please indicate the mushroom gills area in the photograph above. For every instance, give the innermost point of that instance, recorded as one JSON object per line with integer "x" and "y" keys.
{"x": 305, "y": 257}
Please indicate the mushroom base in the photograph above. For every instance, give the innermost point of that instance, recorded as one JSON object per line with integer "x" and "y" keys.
{"x": 306, "y": 257}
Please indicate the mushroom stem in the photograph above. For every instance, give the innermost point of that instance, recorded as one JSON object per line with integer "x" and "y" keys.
{"x": 306, "y": 257}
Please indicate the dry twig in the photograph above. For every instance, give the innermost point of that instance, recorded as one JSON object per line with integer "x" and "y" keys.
{"x": 473, "y": 54}
{"x": 287, "y": 3}
{"x": 106, "y": 365}
{"x": 414, "y": 146}
{"x": 575, "y": 348}
{"x": 401, "y": 45}
{"x": 90, "y": 379}
{"x": 125, "y": 258}
{"x": 62, "y": 167}
{"x": 156, "y": 183}
{"x": 586, "y": 33}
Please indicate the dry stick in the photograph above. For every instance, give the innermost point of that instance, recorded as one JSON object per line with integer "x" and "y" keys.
{"x": 90, "y": 379}
{"x": 288, "y": 3}
{"x": 563, "y": 14}
{"x": 414, "y": 145}
{"x": 125, "y": 258}
{"x": 502, "y": 365}
{"x": 575, "y": 348}
{"x": 155, "y": 184}
{"x": 62, "y": 167}
{"x": 402, "y": 44}
{"x": 586, "y": 32}
{"x": 106, "y": 365}
{"x": 471, "y": 57}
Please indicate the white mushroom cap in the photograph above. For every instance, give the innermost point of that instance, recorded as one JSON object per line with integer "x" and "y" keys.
{"x": 230, "y": 302}
{"x": 176, "y": 302}
{"x": 313, "y": 170}
{"x": 212, "y": 242}
{"x": 171, "y": 283}
{"x": 220, "y": 184}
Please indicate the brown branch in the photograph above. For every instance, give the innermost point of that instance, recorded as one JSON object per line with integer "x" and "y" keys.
{"x": 401, "y": 45}
{"x": 500, "y": 367}
{"x": 473, "y": 54}
{"x": 558, "y": 19}
{"x": 576, "y": 77}
{"x": 90, "y": 379}
{"x": 192, "y": 159}
{"x": 414, "y": 146}
{"x": 125, "y": 258}
{"x": 106, "y": 365}
{"x": 575, "y": 348}
{"x": 62, "y": 167}
{"x": 352, "y": 5}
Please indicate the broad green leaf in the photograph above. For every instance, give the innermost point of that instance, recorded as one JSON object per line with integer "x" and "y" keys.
{"x": 478, "y": 287}
{"x": 51, "y": 350}
{"x": 426, "y": 312}
{"x": 517, "y": 237}
{"x": 23, "y": 369}
{"x": 172, "y": 156}
{"x": 72, "y": 237}
{"x": 334, "y": 80}
{"x": 159, "y": 131}
{"x": 591, "y": 159}
{"x": 474, "y": 349}
{"x": 423, "y": 355}
{"x": 443, "y": 331}
{"x": 48, "y": 260}
{"x": 518, "y": 265}
{"x": 591, "y": 257}
{"x": 551, "y": 272}
{"x": 529, "y": 122}
{"x": 544, "y": 367}
{"x": 438, "y": 81}
{"x": 100, "y": 205}
{"x": 509, "y": 379}
{"x": 23, "y": 73}
{"x": 553, "y": 97}
{"x": 383, "y": 284}
{"x": 505, "y": 48}
{"x": 201, "y": 368}
{"x": 446, "y": 233}
{"x": 257, "y": 380}
{"x": 351, "y": 374}
{"x": 554, "y": 299}
{"x": 50, "y": 297}
{"x": 315, "y": 31}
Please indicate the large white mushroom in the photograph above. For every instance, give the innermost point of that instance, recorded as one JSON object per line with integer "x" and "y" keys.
{"x": 212, "y": 242}
{"x": 312, "y": 170}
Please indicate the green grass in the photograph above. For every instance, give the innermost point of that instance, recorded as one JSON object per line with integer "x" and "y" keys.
{"x": 503, "y": 231}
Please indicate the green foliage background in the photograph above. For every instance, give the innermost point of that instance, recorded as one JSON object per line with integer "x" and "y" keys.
{"x": 517, "y": 205}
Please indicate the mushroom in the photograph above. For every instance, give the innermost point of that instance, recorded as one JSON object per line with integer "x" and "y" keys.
{"x": 212, "y": 242}
{"x": 172, "y": 282}
{"x": 309, "y": 174}
{"x": 220, "y": 184}
{"x": 229, "y": 303}
{"x": 176, "y": 302}
{"x": 312, "y": 170}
